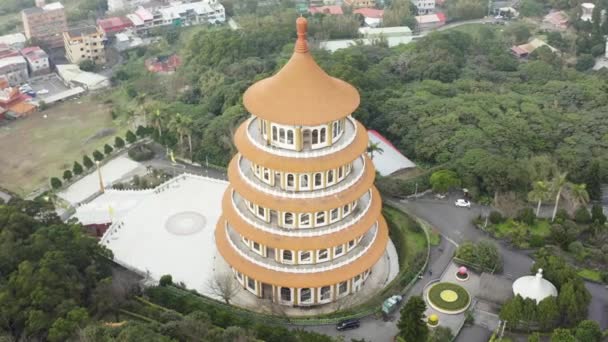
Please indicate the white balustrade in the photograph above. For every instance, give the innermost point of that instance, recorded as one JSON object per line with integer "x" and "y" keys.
{"x": 299, "y": 268}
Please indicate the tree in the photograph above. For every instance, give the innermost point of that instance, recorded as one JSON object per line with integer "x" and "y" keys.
{"x": 87, "y": 162}
{"x": 119, "y": 142}
{"x": 594, "y": 181}
{"x": 166, "y": 280}
{"x": 107, "y": 149}
{"x": 521, "y": 33}
{"x": 511, "y": 311}
{"x": 131, "y": 138}
{"x": 573, "y": 299}
{"x": 224, "y": 286}
{"x": 579, "y": 194}
{"x": 588, "y": 331}
{"x": 548, "y": 313}
{"x": 373, "y": 148}
{"x": 441, "y": 334}
{"x": 483, "y": 255}
{"x": 55, "y": 183}
{"x": 562, "y": 335}
{"x": 534, "y": 337}
{"x": 157, "y": 121}
{"x": 67, "y": 175}
{"x": 558, "y": 183}
{"x": 584, "y": 62}
{"x": 540, "y": 192}
{"x": 98, "y": 156}
{"x": 77, "y": 168}
{"x": 443, "y": 180}
{"x": 87, "y": 65}
{"x": 597, "y": 214}
{"x": 412, "y": 325}
{"x": 581, "y": 215}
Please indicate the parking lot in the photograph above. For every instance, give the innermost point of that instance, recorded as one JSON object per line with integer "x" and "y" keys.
{"x": 52, "y": 83}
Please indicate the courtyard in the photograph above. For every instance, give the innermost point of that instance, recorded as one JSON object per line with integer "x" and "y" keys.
{"x": 45, "y": 143}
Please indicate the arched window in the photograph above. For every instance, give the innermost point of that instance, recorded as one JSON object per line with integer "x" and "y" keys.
{"x": 287, "y": 256}
{"x": 330, "y": 176}
{"x": 304, "y": 182}
{"x": 291, "y": 180}
{"x": 290, "y": 137}
{"x": 335, "y": 129}
{"x": 323, "y": 255}
{"x": 288, "y": 219}
{"x": 346, "y": 209}
{"x": 325, "y": 293}
{"x": 274, "y": 133}
{"x": 305, "y": 257}
{"x": 305, "y": 295}
{"x": 315, "y": 136}
{"x": 282, "y": 135}
{"x": 320, "y": 218}
{"x": 323, "y": 135}
{"x": 285, "y": 294}
{"x": 304, "y": 220}
{"x": 318, "y": 179}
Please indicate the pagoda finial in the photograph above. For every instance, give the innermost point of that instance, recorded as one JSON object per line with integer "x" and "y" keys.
{"x": 301, "y": 28}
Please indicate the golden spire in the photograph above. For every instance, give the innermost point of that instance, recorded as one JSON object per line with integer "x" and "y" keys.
{"x": 301, "y": 43}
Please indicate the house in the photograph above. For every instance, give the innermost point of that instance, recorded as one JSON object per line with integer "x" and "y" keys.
{"x": 424, "y": 6}
{"x": 14, "y": 40}
{"x": 113, "y": 25}
{"x": 390, "y": 160}
{"x": 360, "y": 3}
{"x": 14, "y": 69}
{"x": 45, "y": 23}
{"x": 8, "y": 51}
{"x": 587, "y": 11}
{"x": 556, "y": 20}
{"x": 37, "y": 60}
{"x": 12, "y": 102}
{"x": 393, "y": 35}
{"x": 333, "y": 10}
{"x": 524, "y": 50}
{"x": 85, "y": 43}
{"x": 127, "y": 40}
{"x": 72, "y": 76}
{"x": 125, "y": 5}
{"x": 163, "y": 64}
{"x": 371, "y": 16}
{"x": 178, "y": 13}
{"x": 430, "y": 21}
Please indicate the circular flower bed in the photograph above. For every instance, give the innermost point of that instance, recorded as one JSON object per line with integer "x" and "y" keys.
{"x": 448, "y": 298}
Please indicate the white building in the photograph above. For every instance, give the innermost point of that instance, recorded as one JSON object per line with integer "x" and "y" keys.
{"x": 424, "y": 6}
{"x": 72, "y": 76}
{"x": 178, "y": 13}
{"x": 37, "y": 60}
{"x": 14, "y": 69}
{"x": 534, "y": 287}
{"x": 15, "y": 40}
{"x": 392, "y": 35}
{"x": 125, "y": 5}
{"x": 587, "y": 12}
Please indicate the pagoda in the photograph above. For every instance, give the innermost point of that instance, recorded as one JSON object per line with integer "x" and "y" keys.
{"x": 301, "y": 220}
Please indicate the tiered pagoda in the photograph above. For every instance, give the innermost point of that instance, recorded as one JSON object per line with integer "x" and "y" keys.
{"x": 301, "y": 221}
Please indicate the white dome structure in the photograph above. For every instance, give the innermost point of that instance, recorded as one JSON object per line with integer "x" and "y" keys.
{"x": 534, "y": 287}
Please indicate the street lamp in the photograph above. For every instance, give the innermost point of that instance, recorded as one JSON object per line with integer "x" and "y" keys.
{"x": 101, "y": 188}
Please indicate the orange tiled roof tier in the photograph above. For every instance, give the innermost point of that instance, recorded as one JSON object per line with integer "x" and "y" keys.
{"x": 301, "y": 205}
{"x": 302, "y": 280}
{"x": 301, "y": 243}
{"x": 301, "y": 93}
{"x": 300, "y": 165}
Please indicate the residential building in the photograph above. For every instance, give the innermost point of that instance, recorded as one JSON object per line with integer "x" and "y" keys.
{"x": 14, "y": 69}
{"x": 178, "y": 13}
{"x": 125, "y": 5}
{"x": 557, "y": 20}
{"x": 334, "y": 10}
{"x": 37, "y": 60}
{"x": 391, "y": 160}
{"x": 14, "y": 40}
{"x": 127, "y": 40}
{"x": 45, "y": 23}
{"x": 430, "y": 21}
{"x": 113, "y": 25}
{"x": 163, "y": 64}
{"x": 86, "y": 43}
{"x": 360, "y": 3}
{"x": 587, "y": 11}
{"x": 424, "y": 6}
{"x": 524, "y": 50}
{"x": 73, "y": 77}
{"x": 371, "y": 16}
{"x": 392, "y": 35}
{"x": 301, "y": 220}
{"x": 7, "y": 51}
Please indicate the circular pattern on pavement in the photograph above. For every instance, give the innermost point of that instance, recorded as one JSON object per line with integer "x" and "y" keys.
{"x": 185, "y": 223}
{"x": 448, "y": 298}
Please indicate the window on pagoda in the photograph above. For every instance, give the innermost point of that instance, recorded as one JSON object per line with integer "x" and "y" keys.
{"x": 318, "y": 180}
{"x": 320, "y": 218}
{"x": 323, "y": 255}
{"x": 288, "y": 220}
{"x": 287, "y": 256}
{"x": 285, "y": 294}
{"x": 304, "y": 182}
{"x": 325, "y": 293}
{"x": 315, "y": 136}
{"x": 275, "y": 136}
{"x": 305, "y": 295}
{"x": 342, "y": 288}
{"x": 282, "y": 135}
{"x": 334, "y": 215}
{"x": 330, "y": 177}
{"x": 323, "y": 135}
{"x": 305, "y": 257}
{"x": 304, "y": 220}
{"x": 290, "y": 137}
{"x": 291, "y": 180}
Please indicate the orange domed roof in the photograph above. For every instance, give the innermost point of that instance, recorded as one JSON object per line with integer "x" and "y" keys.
{"x": 301, "y": 93}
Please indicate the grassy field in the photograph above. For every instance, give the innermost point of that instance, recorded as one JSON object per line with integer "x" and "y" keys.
{"x": 540, "y": 228}
{"x": 36, "y": 148}
{"x": 408, "y": 238}
{"x": 593, "y": 275}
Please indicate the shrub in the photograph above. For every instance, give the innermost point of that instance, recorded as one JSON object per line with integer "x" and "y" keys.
{"x": 562, "y": 215}
{"x": 131, "y": 138}
{"x": 142, "y": 131}
{"x": 496, "y": 217}
{"x": 98, "y": 156}
{"x": 141, "y": 153}
{"x": 166, "y": 280}
{"x": 527, "y": 216}
{"x": 597, "y": 50}
{"x": 119, "y": 142}
{"x": 584, "y": 62}
{"x": 577, "y": 248}
{"x": 55, "y": 183}
{"x": 107, "y": 149}
{"x": 582, "y": 215}
{"x": 597, "y": 214}
{"x": 536, "y": 241}
{"x": 77, "y": 168}
{"x": 87, "y": 162}
{"x": 67, "y": 175}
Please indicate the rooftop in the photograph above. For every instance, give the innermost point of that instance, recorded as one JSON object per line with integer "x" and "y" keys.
{"x": 390, "y": 160}
{"x": 301, "y": 93}
{"x": 430, "y": 18}
{"x": 534, "y": 287}
{"x": 370, "y": 12}
{"x": 12, "y": 60}
{"x": 11, "y": 39}
{"x": 335, "y": 10}
{"x": 114, "y": 22}
{"x": 48, "y": 7}
{"x": 82, "y": 31}
{"x": 34, "y": 53}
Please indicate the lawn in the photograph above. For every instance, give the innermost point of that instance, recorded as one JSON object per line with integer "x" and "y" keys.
{"x": 541, "y": 228}
{"x": 408, "y": 238}
{"x": 36, "y": 148}
{"x": 593, "y": 275}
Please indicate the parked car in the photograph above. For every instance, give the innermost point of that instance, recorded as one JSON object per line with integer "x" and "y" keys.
{"x": 348, "y": 324}
{"x": 42, "y": 91}
{"x": 462, "y": 203}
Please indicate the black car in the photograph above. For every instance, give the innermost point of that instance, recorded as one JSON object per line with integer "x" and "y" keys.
{"x": 348, "y": 324}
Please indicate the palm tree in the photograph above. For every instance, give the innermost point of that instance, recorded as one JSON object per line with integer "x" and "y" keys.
{"x": 579, "y": 194}
{"x": 559, "y": 182}
{"x": 187, "y": 130}
{"x": 142, "y": 108}
{"x": 541, "y": 191}
{"x": 157, "y": 122}
{"x": 374, "y": 147}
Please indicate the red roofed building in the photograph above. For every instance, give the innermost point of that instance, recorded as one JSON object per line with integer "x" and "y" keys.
{"x": 334, "y": 10}
{"x": 165, "y": 64}
{"x": 37, "y": 60}
{"x": 7, "y": 51}
{"x": 369, "y": 13}
{"x": 430, "y": 21}
{"x": 12, "y": 101}
{"x": 113, "y": 25}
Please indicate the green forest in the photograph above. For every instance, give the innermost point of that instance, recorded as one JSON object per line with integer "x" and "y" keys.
{"x": 455, "y": 100}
